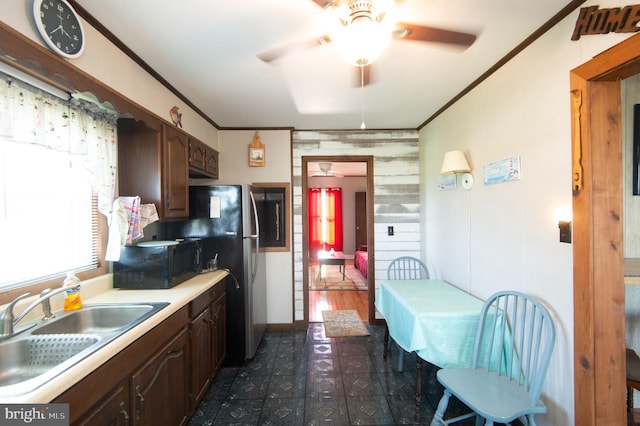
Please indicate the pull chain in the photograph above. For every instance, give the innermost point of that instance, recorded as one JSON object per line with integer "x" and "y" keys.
{"x": 362, "y": 126}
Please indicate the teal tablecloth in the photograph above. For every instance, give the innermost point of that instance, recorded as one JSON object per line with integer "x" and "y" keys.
{"x": 431, "y": 317}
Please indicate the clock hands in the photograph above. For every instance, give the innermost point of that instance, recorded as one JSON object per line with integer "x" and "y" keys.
{"x": 60, "y": 28}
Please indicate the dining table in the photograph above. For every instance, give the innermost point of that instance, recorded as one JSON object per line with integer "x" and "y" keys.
{"x": 436, "y": 320}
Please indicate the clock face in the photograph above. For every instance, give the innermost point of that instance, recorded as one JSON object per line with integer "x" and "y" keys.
{"x": 60, "y": 27}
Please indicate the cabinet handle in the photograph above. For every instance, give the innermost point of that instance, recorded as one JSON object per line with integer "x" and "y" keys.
{"x": 125, "y": 415}
{"x": 140, "y": 403}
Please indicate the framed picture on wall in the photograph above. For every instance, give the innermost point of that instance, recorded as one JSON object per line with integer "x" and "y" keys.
{"x": 256, "y": 156}
{"x": 256, "y": 152}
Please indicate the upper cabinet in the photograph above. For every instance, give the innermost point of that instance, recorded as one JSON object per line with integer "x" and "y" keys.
{"x": 175, "y": 163}
{"x": 203, "y": 160}
{"x": 157, "y": 164}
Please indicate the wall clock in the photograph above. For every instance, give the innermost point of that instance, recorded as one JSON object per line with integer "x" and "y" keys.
{"x": 59, "y": 26}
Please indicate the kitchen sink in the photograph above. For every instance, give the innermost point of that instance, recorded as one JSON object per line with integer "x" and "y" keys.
{"x": 32, "y": 358}
{"x": 98, "y": 319}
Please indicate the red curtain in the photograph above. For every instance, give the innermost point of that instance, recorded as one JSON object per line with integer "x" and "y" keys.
{"x": 325, "y": 220}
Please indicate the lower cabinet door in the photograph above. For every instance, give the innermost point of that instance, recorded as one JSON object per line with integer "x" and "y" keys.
{"x": 201, "y": 370}
{"x": 160, "y": 387}
{"x": 218, "y": 316}
{"x": 112, "y": 410}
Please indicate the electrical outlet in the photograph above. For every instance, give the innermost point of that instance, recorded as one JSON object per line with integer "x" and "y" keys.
{"x": 565, "y": 231}
{"x": 390, "y": 230}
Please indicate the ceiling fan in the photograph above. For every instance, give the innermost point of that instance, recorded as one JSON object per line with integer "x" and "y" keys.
{"x": 363, "y": 29}
{"x": 325, "y": 171}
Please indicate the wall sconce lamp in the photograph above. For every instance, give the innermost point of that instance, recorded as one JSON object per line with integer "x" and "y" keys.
{"x": 455, "y": 162}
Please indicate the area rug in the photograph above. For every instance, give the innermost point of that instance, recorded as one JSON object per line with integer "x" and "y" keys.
{"x": 343, "y": 323}
{"x": 332, "y": 278}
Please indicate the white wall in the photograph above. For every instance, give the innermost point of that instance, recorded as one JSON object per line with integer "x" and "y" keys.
{"x": 505, "y": 236}
{"x": 108, "y": 64}
{"x": 234, "y": 169}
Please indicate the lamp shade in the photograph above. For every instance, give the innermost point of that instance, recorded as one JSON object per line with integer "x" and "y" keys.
{"x": 454, "y": 162}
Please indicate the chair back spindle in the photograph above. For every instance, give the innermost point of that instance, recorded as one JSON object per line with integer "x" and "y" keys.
{"x": 407, "y": 268}
{"x": 515, "y": 338}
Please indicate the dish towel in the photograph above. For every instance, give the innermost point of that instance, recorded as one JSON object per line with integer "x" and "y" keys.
{"x": 128, "y": 218}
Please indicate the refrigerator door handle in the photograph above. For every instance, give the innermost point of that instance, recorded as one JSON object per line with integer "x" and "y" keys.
{"x": 256, "y": 236}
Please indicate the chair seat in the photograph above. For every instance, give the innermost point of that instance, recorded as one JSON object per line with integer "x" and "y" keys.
{"x": 489, "y": 393}
{"x": 633, "y": 365}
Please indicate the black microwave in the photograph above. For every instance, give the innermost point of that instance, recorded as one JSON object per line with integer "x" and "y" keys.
{"x": 157, "y": 264}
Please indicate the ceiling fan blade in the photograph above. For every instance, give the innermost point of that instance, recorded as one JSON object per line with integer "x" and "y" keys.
{"x": 407, "y": 31}
{"x": 291, "y": 48}
{"x": 362, "y": 78}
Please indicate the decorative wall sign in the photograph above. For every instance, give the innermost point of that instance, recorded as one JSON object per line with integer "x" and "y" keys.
{"x": 502, "y": 171}
{"x": 446, "y": 182}
{"x": 593, "y": 20}
{"x": 256, "y": 152}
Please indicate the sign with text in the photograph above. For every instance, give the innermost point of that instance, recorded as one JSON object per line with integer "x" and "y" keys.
{"x": 34, "y": 414}
{"x": 593, "y": 20}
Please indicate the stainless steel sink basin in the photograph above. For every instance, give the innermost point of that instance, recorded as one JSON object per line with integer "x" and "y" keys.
{"x": 32, "y": 358}
{"x": 97, "y": 319}
{"x": 24, "y": 359}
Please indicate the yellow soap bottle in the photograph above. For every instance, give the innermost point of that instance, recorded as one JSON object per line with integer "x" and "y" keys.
{"x": 72, "y": 300}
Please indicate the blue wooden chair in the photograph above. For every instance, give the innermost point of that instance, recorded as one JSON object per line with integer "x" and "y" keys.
{"x": 405, "y": 268}
{"x": 511, "y": 355}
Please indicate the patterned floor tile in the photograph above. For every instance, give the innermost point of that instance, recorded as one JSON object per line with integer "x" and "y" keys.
{"x": 302, "y": 377}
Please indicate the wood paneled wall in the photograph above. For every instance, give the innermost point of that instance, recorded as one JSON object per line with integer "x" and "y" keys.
{"x": 396, "y": 193}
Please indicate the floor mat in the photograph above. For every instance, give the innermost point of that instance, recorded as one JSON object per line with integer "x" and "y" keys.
{"x": 343, "y": 323}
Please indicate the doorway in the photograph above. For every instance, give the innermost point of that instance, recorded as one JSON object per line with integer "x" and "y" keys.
{"x": 599, "y": 322}
{"x": 337, "y": 171}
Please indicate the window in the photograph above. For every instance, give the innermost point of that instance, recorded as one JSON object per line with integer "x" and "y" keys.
{"x": 48, "y": 221}
{"x": 325, "y": 219}
{"x": 57, "y": 171}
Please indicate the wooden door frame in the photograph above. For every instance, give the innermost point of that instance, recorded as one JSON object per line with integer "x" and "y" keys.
{"x": 598, "y": 250}
{"x": 368, "y": 159}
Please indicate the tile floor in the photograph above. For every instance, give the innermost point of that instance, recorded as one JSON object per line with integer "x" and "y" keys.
{"x": 304, "y": 378}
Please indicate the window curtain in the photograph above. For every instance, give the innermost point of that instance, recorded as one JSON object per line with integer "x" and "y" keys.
{"x": 325, "y": 220}
{"x": 81, "y": 128}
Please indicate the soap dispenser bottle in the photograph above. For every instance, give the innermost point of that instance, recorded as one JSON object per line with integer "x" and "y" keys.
{"x": 72, "y": 300}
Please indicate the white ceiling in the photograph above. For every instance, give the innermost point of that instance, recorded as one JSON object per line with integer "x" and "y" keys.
{"x": 207, "y": 50}
{"x": 338, "y": 169}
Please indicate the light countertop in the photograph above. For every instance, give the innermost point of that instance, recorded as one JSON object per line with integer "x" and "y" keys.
{"x": 102, "y": 291}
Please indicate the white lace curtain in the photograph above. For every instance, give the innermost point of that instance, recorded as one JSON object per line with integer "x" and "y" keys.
{"x": 29, "y": 115}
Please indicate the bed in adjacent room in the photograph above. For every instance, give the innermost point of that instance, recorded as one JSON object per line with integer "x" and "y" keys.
{"x": 361, "y": 260}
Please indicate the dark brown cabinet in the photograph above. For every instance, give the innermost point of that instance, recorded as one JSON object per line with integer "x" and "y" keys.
{"x": 208, "y": 339}
{"x": 161, "y": 394}
{"x": 145, "y": 383}
{"x": 176, "y": 172}
{"x": 201, "y": 347}
{"x": 203, "y": 160}
{"x": 113, "y": 409}
{"x": 155, "y": 166}
{"x": 219, "y": 331}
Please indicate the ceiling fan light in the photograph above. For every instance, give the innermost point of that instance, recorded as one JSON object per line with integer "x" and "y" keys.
{"x": 362, "y": 42}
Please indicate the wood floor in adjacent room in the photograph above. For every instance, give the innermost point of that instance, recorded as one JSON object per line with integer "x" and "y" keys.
{"x": 322, "y": 300}
{"x": 333, "y": 300}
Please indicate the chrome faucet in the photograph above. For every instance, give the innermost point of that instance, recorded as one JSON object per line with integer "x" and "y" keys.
{"x": 8, "y": 320}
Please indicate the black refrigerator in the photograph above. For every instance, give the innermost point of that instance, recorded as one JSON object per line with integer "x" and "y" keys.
{"x": 226, "y": 219}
